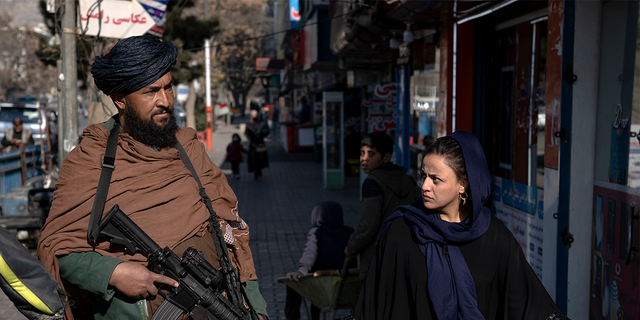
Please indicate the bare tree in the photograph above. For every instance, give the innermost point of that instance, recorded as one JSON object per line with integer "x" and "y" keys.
{"x": 21, "y": 71}
{"x": 243, "y": 27}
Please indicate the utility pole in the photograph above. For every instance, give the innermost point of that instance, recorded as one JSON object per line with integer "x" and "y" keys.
{"x": 68, "y": 121}
{"x": 211, "y": 119}
{"x": 213, "y": 56}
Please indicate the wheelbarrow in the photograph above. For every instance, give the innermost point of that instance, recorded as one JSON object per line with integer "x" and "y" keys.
{"x": 328, "y": 290}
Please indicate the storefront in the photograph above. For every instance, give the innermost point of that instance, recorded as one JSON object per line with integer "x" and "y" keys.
{"x": 509, "y": 61}
{"x": 552, "y": 91}
{"x": 615, "y": 267}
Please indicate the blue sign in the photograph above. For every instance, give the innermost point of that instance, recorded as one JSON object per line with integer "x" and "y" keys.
{"x": 156, "y": 9}
{"x": 520, "y": 196}
{"x": 495, "y": 192}
{"x": 294, "y": 14}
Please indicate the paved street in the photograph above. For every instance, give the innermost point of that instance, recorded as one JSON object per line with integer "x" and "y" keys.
{"x": 277, "y": 209}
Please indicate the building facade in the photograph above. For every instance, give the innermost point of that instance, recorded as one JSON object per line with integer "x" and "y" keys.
{"x": 551, "y": 90}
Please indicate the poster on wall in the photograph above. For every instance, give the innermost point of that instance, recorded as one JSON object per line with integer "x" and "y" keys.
{"x": 520, "y": 208}
{"x": 614, "y": 260}
{"x": 634, "y": 158}
{"x": 381, "y": 110}
{"x": 554, "y": 84}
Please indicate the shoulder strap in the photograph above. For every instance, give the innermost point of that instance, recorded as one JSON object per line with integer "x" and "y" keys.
{"x": 108, "y": 165}
{"x": 215, "y": 225}
{"x": 233, "y": 285}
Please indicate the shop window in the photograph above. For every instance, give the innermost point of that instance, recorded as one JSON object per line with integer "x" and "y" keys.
{"x": 617, "y": 157}
{"x": 539, "y": 102}
{"x": 515, "y": 105}
{"x": 424, "y": 94}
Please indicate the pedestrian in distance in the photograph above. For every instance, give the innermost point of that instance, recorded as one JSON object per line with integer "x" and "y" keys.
{"x": 17, "y": 137}
{"x": 387, "y": 187}
{"x": 323, "y": 251}
{"x": 162, "y": 180}
{"x": 449, "y": 257}
{"x": 256, "y": 131}
{"x": 234, "y": 154}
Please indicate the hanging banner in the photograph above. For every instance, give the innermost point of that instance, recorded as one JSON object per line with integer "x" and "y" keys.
{"x": 114, "y": 19}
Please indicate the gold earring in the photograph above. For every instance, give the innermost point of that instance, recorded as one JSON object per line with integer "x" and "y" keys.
{"x": 464, "y": 199}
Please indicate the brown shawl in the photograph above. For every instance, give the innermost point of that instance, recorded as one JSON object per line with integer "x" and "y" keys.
{"x": 154, "y": 188}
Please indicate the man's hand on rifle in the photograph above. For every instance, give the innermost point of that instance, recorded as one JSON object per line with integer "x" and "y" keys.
{"x": 135, "y": 280}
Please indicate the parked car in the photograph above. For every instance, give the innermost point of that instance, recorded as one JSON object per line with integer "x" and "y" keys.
{"x": 29, "y": 114}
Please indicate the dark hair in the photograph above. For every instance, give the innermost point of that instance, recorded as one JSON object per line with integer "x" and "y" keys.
{"x": 380, "y": 141}
{"x": 234, "y": 135}
{"x": 449, "y": 148}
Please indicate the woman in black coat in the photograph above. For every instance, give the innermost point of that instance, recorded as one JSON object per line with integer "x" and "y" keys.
{"x": 445, "y": 256}
{"x": 256, "y": 131}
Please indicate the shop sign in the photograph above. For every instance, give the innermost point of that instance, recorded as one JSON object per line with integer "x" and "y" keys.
{"x": 298, "y": 44}
{"x": 294, "y": 14}
{"x": 115, "y": 19}
{"x": 520, "y": 208}
{"x": 381, "y": 110}
{"x": 403, "y": 53}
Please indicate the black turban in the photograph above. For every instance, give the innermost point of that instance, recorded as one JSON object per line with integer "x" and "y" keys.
{"x": 132, "y": 64}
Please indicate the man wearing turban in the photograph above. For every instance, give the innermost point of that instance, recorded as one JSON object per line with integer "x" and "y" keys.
{"x": 150, "y": 183}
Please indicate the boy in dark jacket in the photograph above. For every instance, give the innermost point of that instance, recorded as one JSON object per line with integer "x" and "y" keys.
{"x": 387, "y": 187}
{"x": 323, "y": 251}
{"x": 234, "y": 154}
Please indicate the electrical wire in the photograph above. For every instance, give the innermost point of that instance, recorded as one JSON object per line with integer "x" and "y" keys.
{"x": 266, "y": 35}
{"x": 90, "y": 11}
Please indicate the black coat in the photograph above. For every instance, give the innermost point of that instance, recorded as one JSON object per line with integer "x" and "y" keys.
{"x": 507, "y": 288}
{"x": 255, "y": 132}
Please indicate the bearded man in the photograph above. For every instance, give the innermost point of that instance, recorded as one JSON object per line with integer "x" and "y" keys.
{"x": 150, "y": 183}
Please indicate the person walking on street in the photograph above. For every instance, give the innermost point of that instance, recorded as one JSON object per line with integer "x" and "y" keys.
{"x": 387, "y": 187}
{"x": 449, "y": 256}
{"x": 256, "y": 131}
{"x": 17, "y": 137}
{"x": 151, "y": 183}
{"x": 234, "y": 154}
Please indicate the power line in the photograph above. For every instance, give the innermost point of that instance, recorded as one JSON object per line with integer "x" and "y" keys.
{"x": 267, "y": 35}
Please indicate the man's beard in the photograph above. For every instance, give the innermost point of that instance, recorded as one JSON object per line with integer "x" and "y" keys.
{"x": 149, "y": 132}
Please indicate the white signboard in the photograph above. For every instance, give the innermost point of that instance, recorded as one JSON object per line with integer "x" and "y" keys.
{"x": 120, "y": 19}
{"x": 183, "y": 93}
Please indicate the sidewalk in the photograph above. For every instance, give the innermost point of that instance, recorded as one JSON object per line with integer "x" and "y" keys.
{"x": 277, "y": 209}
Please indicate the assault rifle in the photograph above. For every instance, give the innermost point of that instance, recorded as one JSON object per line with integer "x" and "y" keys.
{"x": 200, "y": 283}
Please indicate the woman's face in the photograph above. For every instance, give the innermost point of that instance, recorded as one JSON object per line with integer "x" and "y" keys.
{"x": 441, "y": 188}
